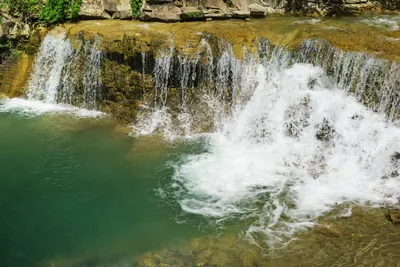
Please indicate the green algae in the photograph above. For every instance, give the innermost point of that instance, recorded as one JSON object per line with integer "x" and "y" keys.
{"x": 348, "y": 34}
{"x": 364, "y": 238}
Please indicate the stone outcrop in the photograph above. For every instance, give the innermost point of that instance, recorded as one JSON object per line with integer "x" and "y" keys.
{"x": 191, "y": 10}
{"x": 14, "y": 74}
{"x": 394, "y": 216}
{"x": 134, "y": 52}
{"x": 13, "y": 27}
{"x": 105, "y": 9}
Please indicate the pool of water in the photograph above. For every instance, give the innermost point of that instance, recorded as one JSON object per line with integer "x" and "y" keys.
{"x": 77, "y": 188}
{"x": 82, "y": 192}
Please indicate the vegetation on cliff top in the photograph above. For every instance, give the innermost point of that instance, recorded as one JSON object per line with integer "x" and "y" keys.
{"x": 60, "y": 11}
{"x": 136, "y": 6}
{"x": 51, "y": 12}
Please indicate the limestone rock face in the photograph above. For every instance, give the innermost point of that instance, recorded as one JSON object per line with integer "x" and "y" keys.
{"x": 13, "y": 27}
{"x": 179, "y": 10}
{"x": 105, "y": 9}
{"x": 165, "y": 12}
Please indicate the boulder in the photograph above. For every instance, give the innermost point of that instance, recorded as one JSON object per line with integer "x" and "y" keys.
{"x": 396, "y": 157}
{"x": 240, "y": 5}
{"x": 240, "y": 14}
{"x": 13, "y": 27}
{"x": 105, "y": 9}
{"x": 216, "y": 5}
{"x": 325, "y": 131}
{"x": 394, "y": 216}
{"x": 257, "y": 10}
{"x": 216, "y": 14}
{"x": 93, "y": 9}
{"x": 328, "y": 230}
{"x": 165, "y": 12}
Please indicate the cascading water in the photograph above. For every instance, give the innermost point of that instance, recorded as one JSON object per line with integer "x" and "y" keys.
{"x": 291, "y": 134}
{"x": 62, "y": 79}
{"x": 221, "y": 82}
{"x": 53, "y": 55}
{"x": 306, "y": 131}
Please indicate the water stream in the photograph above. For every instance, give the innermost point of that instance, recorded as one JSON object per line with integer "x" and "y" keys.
{"x": 270, "y": 144}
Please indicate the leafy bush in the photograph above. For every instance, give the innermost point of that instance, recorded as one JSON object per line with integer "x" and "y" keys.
{"x": 136, "y": 5}
{"x": 54, "y": 11}
{"x": 194, "y": 15}
{"x": 26, "y": 8}
{"x": 60, "y": 10}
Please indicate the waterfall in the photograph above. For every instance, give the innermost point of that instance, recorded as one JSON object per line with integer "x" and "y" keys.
{"x": 91, "y": 75}
{"x": 288, "y": 133}
{"x": 53, "y": 55}
{"x": 63, "y": 79}
{"x": 222, "y": 83}
{"x": 65, "y": 75}
{"x": 296, "y": 134}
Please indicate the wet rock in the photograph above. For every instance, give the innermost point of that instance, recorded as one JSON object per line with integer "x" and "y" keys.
{"x": 328, "y": 229}
{"x": 240, "y": 14}
{"x": 296, "y": 118}
{"x": 257, "y": 10}
{"x": 357, "y": 117}
{"x": 325, "y": 131}
{"x": 216, "y": 15}
{"x": 396, "y": 157}
{"x": 394, "y": 216}
{"x": 148, "y": 260}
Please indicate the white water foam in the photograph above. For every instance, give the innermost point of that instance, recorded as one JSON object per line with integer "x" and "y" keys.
{"x": 307, "y": 21}
{"x": 54, "y": 81}
{"x": 299, "y": 147}
{"x": 30, "y": 108}
{"x": 392, "y": 24}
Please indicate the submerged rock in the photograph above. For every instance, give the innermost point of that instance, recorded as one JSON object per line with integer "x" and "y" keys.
{"x": 206, "y": 251}
{"x": 328, "y": 229}
{"x": 394, "y": 216}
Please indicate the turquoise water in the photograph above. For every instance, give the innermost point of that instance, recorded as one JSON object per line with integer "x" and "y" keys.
{"x": 76, "y": 188}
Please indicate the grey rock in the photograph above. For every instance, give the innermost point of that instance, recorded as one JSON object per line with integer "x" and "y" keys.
{"x": 240, "y": 14}
{"x": 166, "y": 13}
{"x": 105, "y": 9}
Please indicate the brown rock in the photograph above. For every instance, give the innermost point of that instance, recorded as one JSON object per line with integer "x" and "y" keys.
{"x": 328, "y": 229}
{"x": 106, "y": 9}
{"x": 241, "y": 14}
{"x": 166, "y": 13}
{"x": 394, "y": 216}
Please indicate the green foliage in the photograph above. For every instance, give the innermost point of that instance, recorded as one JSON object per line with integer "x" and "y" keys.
{"x": 194, "y": 15}
{"x": 26, "y": 8}
{"x": 5, "y": 48}
{"x": 136, "y": 6}
{"x": 56, "y": 11}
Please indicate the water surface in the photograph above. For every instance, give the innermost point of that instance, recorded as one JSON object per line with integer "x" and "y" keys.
{"x": 76, "y": 188}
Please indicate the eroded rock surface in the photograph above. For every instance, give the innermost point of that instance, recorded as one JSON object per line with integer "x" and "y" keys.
{"x": 394, "y": 216}
{"x": 106, "y": 9}
{"x": 172, "y": 11}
